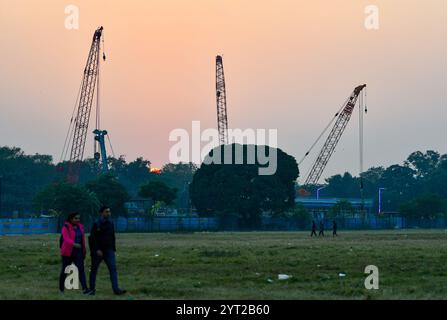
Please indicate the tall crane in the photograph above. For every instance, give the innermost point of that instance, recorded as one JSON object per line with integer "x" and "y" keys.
{"x": 221, "y": 99}
{"x": 80, "y": 121}
{"x": 342, "y": 118}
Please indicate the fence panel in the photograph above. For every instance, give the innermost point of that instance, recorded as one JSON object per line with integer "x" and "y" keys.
{"x": 190, "y": 224}
{"x": 28, "y": 226}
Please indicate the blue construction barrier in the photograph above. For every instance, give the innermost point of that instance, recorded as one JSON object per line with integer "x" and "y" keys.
{"x": 175, "y": 223}
{"x": 185, "y": 223}
{"x": 28, "y": 226}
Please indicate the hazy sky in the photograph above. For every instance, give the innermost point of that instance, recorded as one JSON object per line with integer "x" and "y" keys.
{"x": 289, "y": 65}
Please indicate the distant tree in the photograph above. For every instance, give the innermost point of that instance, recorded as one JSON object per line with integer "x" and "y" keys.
{"x": 22, "y": 177}
{"x": 442, "y": 164}
{"x": 341, "y": 209}
{"x": 371, "y": 179}
{"x": 110, "y": 192}
{"x": 239, "y": 189}
{"x": 423, "y": 164}
{"x": 428, "y": 206}
{"x": 343, "y": 186}
{"x": 64, "y": 198}
{"x": 401, "y": 185}
{"x": 132, "y": 174}
{"x": 300, "y": 214}
{"x": 436, "y": 183}
{"x": 159, "y": 192}
{"x": 178, "y": 176}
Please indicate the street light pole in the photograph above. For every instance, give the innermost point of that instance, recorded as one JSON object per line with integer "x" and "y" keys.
{"x": 318, "y": 192}
{"x": 380, "y": 199}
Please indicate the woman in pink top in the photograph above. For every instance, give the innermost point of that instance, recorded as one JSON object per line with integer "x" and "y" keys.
{"x": 72, "y": 245}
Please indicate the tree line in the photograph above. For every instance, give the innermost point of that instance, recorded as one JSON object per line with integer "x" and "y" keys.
{"x": 35, "y": 184}
{"x": 416, "y": 188}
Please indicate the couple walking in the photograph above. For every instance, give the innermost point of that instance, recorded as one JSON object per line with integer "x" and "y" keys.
{"x": 102, "y": 247}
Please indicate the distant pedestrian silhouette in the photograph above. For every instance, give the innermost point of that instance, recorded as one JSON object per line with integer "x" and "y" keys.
{"x": 314, "y": 229}
{"x": 334, "y": 228}
{"x": 321, "y": 233}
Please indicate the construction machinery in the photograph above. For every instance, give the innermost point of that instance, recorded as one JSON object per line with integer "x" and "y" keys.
{"x": 79, "y": 123}
{"x": 221, "y": 99}
{"x": 341, "y": 119}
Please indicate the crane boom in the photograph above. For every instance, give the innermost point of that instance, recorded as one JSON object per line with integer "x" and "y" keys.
{"x": 333, "y": 138}
{"x": 82, "y": 118}
{"x": 221, "y": 98}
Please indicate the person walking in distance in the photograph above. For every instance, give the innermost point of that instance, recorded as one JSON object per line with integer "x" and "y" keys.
{"x": 314, "y": 229}
{"x": 103, "y": 247}
{"x": 321, "y": 233}
{"x": 334, "y": 228}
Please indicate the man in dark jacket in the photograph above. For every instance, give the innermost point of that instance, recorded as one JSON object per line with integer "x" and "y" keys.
{"x": 103, "y": 247}
{"x": 334, "y": 228}
{"x": 321, "y": 233}
{"x": 314, "y": 229}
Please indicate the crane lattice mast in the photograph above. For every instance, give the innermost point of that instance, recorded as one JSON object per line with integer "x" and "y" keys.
{"x": 82, "y": 118}
{"x": 221, "y": 98}
{"x": 333, "y": 138}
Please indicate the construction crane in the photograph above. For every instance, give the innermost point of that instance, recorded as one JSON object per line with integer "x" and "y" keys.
{"x": 80, "y": 119}
{"x": 341, "y": 118}
{"x": 221, "y": 99}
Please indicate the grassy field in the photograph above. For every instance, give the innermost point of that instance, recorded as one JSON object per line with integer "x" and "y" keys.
{"x": 412, "y": 265}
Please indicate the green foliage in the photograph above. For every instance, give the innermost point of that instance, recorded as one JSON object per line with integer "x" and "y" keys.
{"x": 423, "y": 164}
{"x": 64, "y": 198}
{"x": 179, "y": 176}
{"x": 300, "y": 214}
{"x": 159, "y": 192}
{"x": 342, "y": 208}
{"x": 109, "y": 192}
{"x": 421, "y": 173}
{"x": 238, "y": 188}
{"x": 132, "y": 174}
{"x": 429, "y": 206}
{"x": 22, "y": 176}
{"x": 345, "y": 186}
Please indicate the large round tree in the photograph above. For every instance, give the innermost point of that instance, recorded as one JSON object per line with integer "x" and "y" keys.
{"x": 239, "y": 186}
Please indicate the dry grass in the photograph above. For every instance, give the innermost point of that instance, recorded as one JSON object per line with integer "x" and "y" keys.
{"x": 412, "y": 265}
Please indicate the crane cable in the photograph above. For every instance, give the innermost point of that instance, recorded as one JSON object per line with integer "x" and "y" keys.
{"x": 110, "y": 144}
{"x": 362, "y": 108}
{"x": 70, "y": 128}
{"x": 98, "y": 95}
{"x": 324, "y": 131}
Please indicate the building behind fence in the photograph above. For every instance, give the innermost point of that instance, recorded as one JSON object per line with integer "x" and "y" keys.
{"x": 190, "y": 224}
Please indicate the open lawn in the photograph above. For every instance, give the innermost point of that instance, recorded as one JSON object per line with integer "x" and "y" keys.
{"x": 412, "y": 265}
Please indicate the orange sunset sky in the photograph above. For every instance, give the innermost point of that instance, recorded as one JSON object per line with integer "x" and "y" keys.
{"x": 289, "y": 65}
